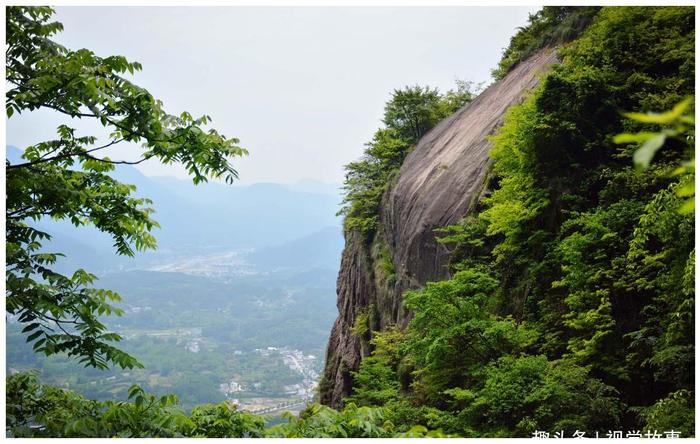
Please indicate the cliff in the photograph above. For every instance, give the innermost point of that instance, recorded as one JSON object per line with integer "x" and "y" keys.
{"x": 438, "y": 183}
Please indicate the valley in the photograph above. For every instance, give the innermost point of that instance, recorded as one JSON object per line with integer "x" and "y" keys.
{"x": 511, "y": 256}
{"x": 248, "y": 341}
{"x": 211, "y": 318}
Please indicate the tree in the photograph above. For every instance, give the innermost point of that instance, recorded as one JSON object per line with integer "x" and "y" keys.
{"x": 68, "y": 179}
{"x": 551, "y": 25}
{"x": 412, "y": 111}
{"x": 571, "y": 300}
{"x": 35, "y": 410}
{"x": 408, "y": 115}
{"x": 376, "y": 382}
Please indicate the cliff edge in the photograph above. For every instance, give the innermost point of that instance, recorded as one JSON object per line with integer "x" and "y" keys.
{"x": 438, "y": 183}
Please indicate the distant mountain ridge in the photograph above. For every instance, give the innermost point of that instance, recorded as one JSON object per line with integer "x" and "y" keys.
{"x": 207, "y": 218}
{"x": 321, "y": 249}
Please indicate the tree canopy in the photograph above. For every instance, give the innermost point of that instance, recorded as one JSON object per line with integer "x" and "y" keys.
{"x": 68, "y": 178}
{"x": 570, "y": 305}
{"x": 410, "y": 113}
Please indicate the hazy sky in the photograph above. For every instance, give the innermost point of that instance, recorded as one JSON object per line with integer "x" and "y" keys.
{"x": 302, "y": 88}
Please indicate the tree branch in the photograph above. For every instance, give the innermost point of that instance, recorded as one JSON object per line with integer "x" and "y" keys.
{"x": 63, "y": 156}
{"x": 118, "y": 162}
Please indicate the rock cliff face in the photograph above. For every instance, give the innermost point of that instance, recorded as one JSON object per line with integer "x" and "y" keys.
{"x": 438, "y": 183}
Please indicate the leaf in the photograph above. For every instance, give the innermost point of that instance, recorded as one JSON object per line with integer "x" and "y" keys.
{"x": 686, "y": 190}
{"x": 133, "y": 391}
{"x": 687, "y": 207}
{"x": 640, "y": 137}
{"x": 37, "y": 345}
{"x": 31, "y": 327}
{"x": 662, "y": 118}
{"x": 34, "y": 335}
{"x": 642, "y": 157}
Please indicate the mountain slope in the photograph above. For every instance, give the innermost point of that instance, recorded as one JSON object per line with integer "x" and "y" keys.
{"x": 566, "y": 300}
{"x": 320, "y": 249}
{"x": 210, "y": 217}
{"x": 437, "y": 184}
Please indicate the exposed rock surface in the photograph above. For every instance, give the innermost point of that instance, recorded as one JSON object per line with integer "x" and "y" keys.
{"x": 438, "y": 183}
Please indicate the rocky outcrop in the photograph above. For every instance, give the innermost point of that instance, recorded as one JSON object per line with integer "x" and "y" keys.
{"x": 439, "y": 181}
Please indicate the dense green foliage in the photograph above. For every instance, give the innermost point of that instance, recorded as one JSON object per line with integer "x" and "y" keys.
{"x": 571, "y": 305}
{"x": 164, "y": 319}
{"x": 676, "y": 123}
{"x": 319, "y": 421}
{"x": 68, "y": 179}
{"x": 550, "y": 26}
{"x": 37, "y": 410}
{"x": 408, "y": 115}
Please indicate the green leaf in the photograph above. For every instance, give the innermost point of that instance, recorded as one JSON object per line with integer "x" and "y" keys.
{"x": 34, "y": 335}
{"x": 686, "y": 190}
{"x": 133, "y": 391}
{"x": 640, "y": 137}
{"x": 643, "y": 156}
{"x": 662, "y": 118}
{"x": 30, "y": 327}
{"x": 687, "y": 207}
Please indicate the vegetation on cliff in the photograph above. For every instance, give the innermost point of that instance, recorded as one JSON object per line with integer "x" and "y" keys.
{"x": 408, "y": 115}
{"x": 571, "y": 306}
{"x": 550, "y": 26}
{"x": 36, "y": 410}
{"x": 571, "y": 303}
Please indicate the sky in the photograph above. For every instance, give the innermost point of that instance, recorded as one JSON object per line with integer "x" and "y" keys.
{"x": 302, "y": 88}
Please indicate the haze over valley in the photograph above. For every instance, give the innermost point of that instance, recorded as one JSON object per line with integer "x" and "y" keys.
{"x": 511, "y": 252}
{"x": 239, "y": 310}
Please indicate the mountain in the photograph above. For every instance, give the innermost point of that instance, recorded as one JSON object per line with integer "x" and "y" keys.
{"x": 316, "y": 187}
{"x": 320, "y": 249}
{"x": 438, "y": 183}
{"x": 210, "y": 217}
{"x": 520, "y": 263}
{"x": 238, "y": 269}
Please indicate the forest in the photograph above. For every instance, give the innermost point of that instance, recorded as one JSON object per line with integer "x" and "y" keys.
{"x": 190, "y": 346}
{"x": 570, "y": 303}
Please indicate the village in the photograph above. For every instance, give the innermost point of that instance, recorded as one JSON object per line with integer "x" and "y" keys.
{"x": 293, "y": 395}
